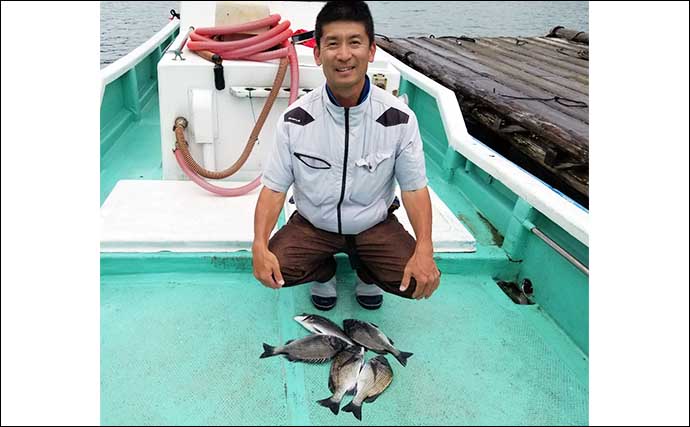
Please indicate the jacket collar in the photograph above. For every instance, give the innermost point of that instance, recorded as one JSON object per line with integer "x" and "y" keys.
{"x": 362, "y": 96}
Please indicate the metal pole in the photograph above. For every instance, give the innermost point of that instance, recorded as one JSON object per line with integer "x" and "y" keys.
{"x": 177, "y": 50}
{"x": 561, "y": 251}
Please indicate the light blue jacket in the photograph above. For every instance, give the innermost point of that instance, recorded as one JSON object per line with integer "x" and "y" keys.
{"x": 378, "y": 140}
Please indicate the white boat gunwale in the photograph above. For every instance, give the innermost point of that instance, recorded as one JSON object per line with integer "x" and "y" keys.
{"x": 115, "y": 70}
{"x": 564, "y": 212}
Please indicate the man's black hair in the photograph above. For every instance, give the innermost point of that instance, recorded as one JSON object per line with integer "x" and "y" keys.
{"x": 356, "y": 11}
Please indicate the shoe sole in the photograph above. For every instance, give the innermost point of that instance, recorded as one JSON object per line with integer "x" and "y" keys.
{"x": 369, "y": 306}
{"x": 323, "y": 307}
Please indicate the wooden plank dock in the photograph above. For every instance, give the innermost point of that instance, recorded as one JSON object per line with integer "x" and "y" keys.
{"x": 526, "y": 97}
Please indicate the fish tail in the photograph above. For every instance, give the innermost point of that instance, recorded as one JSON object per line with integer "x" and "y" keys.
{"x": 402, "y": 357}
{"x": 268, "y": 351}
{"x": 331, "y": 404}
{"x": 355, "y": 409}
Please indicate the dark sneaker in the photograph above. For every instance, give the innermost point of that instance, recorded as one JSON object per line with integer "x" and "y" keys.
{"x": 323, "y": 303}
{"x": 370, "y": 302}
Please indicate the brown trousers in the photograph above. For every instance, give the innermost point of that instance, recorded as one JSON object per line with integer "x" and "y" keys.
{"x": 378, "y": 255}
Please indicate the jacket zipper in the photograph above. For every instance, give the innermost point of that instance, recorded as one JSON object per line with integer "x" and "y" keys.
{"x": 342, "y": 188}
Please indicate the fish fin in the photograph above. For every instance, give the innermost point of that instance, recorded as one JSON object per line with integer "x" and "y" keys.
{"x": 355, "y": 409}
{"x": 390, "y": 340}
{"x": 315, "y": 361}
{"x": 372, "y": 398}
{"x": 374, "y": 324}
{"x": 352, "y": 391}
{"x": 288, "y": 342}
{"x": 311, "y": 361}
{"x": 402, "y": 357}
{"x": 268, "y": 351}
{"x": 331, "y": 404}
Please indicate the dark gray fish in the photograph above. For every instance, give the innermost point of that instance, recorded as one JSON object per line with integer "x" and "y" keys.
{"x": 320, "y": 325}
{"x": 370, "y": 336}
{"x": 343, "y": 376}
{"x": 310, "y": 349}
{"x": 375, "y": 377}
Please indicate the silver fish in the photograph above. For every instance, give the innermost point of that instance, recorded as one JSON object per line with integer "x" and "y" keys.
{"x": 310, "y": 349}
{"x": 343, "y": 376}
{"x": 370, "y": 336}
{"x": 375, "y": 377}
{"x": 320, "y": 325}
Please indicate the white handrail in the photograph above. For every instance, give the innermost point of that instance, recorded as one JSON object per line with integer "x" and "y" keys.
{"x": 559, "y": 209}
{"x": 124, "y": 64}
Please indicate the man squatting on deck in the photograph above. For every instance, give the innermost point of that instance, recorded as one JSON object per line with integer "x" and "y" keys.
{"x": 342, "y": 145}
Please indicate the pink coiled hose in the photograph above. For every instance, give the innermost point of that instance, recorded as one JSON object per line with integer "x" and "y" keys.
{"x": 250, "y": 49}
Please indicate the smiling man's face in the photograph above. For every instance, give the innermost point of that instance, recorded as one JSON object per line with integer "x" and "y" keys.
{"x": 344, "y": 52}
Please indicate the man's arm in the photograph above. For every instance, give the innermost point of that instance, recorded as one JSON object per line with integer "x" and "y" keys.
{"x": 410, "y": 172}
{"x": 266, "y": 265}
{"x": 418, "y": 206}
{"x": 276, "y": 178}
{"x": 421, "y": 265}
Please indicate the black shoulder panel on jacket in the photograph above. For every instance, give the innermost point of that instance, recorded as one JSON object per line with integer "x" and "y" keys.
{"x": 393, "y": 117}
{"x": 298, "y": 116}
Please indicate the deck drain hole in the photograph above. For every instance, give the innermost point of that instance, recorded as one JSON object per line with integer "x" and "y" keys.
{"x": 518, "y": 294}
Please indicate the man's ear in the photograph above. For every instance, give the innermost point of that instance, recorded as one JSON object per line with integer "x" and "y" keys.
{"x": 317, "y": 55}
{"x": 372, "y": 51}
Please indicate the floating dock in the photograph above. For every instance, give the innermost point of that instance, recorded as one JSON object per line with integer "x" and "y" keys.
{"x": 526, "y": 97}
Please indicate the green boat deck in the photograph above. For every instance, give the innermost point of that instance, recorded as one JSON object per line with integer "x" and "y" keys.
{"x": 184, "y": 349}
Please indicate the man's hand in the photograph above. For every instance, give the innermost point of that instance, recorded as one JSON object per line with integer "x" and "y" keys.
{"x": 422, "y": 267}
{"x": 267, "y": 267}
